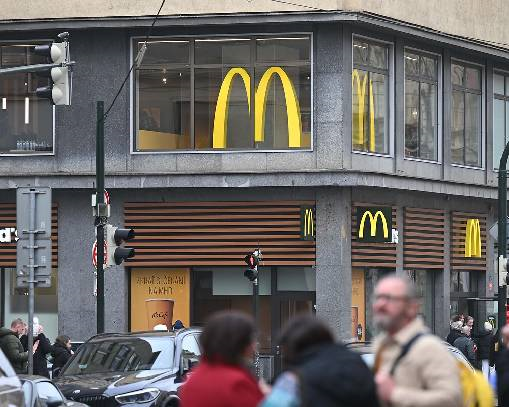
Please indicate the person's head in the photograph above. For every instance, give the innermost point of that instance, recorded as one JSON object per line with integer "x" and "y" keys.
{"x": 488, "y": 327}
{"x": 395, "y": 304}
{"x": 301, "y": 334}
{"x": 64, "y": 340}
{"x": 455, "y": 318}
{"x": 457, "y": 325}
{"x": 462, "y": 318}
{"x": 466, "y": 330}
{"x": 18, "y": 326}
{"x": 228, "y": 337}
{"x": 469, "y": 321}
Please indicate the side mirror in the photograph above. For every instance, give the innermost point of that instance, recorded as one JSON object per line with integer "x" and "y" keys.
{"x": 54, "y": 403}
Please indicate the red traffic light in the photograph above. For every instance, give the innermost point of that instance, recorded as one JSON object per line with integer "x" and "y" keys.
{"x": 251, "y": 260}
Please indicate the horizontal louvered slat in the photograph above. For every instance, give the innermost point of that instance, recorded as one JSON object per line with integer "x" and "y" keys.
{"x": 372, "y": 254}
{"x": 8, "y": 220}
{"x": 423, "y": 238}
{"x": 217, "y": 233}
{"x": 458, "y": 235}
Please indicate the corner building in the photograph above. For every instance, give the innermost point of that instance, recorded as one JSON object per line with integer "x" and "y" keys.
{"x": 238, "y": 124}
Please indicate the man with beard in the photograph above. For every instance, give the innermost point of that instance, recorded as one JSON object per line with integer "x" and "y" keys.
{"x": 412, "y": 367}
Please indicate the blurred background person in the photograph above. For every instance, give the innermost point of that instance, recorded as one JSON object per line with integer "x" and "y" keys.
{"x": 485, "y": 348}
{"x": 465, "y": 344}
{"x": 455, "y": 331}
{"x": 223, "y": 379}
{"x": 61, "y": 353}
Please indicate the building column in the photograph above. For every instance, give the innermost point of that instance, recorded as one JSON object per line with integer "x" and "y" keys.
{"x": 333, "y": 260}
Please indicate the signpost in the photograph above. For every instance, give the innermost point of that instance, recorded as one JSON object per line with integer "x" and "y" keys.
{"x": 33, "y": 254}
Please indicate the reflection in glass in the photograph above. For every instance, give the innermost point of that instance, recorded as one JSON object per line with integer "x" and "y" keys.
{"x": 360, "y": 52}
{"x": 458, "y": 73}
{"x": 499, "y": 129}
{"x": 411, "y": 64}
{"x": 457, "y": 128}
{"x": 165, "y": 52}
{"x": 378, "y": 56}
{"x": 229, "y": 51}
{"x": 282, "y": 49}
{"x": 498, "y": 84}
{"x": 472, "y": 129}
{"x": 428, "y": 122}
{"x": 412, "y": 112}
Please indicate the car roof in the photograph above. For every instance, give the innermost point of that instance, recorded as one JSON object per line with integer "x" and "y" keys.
{"x": 145, "y": 334}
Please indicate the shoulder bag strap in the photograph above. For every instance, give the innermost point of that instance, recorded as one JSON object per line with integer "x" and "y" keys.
{"x": 404, "y": 350}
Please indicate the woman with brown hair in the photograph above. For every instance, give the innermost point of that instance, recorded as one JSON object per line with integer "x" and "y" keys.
{"x": 222, "y": 379}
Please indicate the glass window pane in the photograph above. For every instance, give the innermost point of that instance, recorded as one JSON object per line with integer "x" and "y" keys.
{"x": 279, "y": 112}
{"x": 429, "y": 67}
{"x": 458, "y": 73}
{"x": 472, "y": 129}
{"x": 378, "y": 56}
{"x": 236, "y": 126}
{"x": 457, "y": 128}
{"x": 380, "y": 92}
{"x": 48, "y": 391}
{"x": 165, "y": 52}
{"x": 164, "y": 109}
{"x": 428, "y": 123}
{"x": 360, "y": 52}
{"x": 473, "y": 78}
{"x": 507, "y": 85}
{"x": 296, "y": 279}
{"x": 498, "y": 130}
{"x": 231, "y": 51}
{"x": 411, "y": 118}
{"x": 282, "y": 49}
{"x": 498, "y": 84}
{"x": 14, "y": 55}
{"x": 411, "y": 64}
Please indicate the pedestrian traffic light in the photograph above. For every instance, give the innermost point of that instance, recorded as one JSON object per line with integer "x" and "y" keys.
{"x": 507, "y": 314}
{"x": 252, "y": 271}
{"x": 115, "y": 237}
{"x": 59, "y": 87}
{"x": 502, "y": 271}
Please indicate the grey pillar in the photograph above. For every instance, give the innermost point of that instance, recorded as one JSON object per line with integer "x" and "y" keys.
{"x": 333, "y": 260}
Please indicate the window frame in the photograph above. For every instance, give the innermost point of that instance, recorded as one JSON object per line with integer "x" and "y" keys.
{"x": 482, "y": 140}
{"x": 390, "y": 98}
{"x": 133, "y": 111}
{"x": 505, "y": 74}
{"x": 440, "y": 94}
{"x": 33, "y": 41}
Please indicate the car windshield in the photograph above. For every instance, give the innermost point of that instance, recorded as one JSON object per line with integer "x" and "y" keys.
{"x": 122, "y": 354}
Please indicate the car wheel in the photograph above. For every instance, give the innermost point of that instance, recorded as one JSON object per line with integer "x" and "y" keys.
{"x": 172, "y": 401}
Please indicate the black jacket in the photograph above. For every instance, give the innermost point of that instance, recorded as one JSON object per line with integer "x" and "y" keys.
{"x": 466, "y": 345}
{"x": 333, "y": 376}
{"x": 503, "y": 378}
{"x": 13, "y": 350}
{"x": 453, "y": 335}
{"x": 60, "y": 355}
{"x": 40, "y": 361}
{"x": 485, "y": 345}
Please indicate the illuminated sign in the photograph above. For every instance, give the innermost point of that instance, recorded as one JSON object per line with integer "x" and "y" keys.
{"x": 361, "y": 96}
{"x": 374, "y": 225}
{"x": 260, "y": 101}
{"x": 8, "y": 235}
{"x": 473, "y": 238}
{"x": 307, "y": 223}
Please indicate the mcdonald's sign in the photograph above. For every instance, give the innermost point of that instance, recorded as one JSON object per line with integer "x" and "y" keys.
{"x": 358, "y": 136}
{"x": 473, "y": 238}
{"x": 307, "y": 223}
{"x": 260, "y": 100}
{"x": 374, "y": 225}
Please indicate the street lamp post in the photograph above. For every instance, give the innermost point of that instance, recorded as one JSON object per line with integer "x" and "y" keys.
{"x": 502, "y": 231}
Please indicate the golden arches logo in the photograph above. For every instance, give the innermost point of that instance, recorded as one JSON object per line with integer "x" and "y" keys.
{"x": 358, "y": 138}
{"x": 292, "y": 106}
{"x": 373, "y": 222}
{"x": 309, "y": 223}
{"x": 473, "y": 238}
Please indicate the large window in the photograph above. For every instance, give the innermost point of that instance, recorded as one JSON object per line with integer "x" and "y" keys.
{"x": 26, "y": 122}
{"x": 224, "y": 94}
{"x": 421, "y": 107}
{"x": 466, "y": 121}
{"x": 370, "y": 97}
{"x": 500, "y": 115}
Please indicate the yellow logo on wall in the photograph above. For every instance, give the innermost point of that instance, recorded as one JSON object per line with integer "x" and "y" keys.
{"x": 473, "y": 238}
{"x": 358, "y": 138}
{"x": 374, "y": 235}
{"x": 307, "y": 223}
{"x": 292, "y": 106}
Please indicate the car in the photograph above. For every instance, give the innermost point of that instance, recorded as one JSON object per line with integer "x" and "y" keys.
{"x": 11, "y": 392}
{"x": 40, "y": 391}
{"x": 142, "y": 369}
{"x": 74, "y": 347}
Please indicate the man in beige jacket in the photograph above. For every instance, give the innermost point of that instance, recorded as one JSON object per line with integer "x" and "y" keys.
{"x": 426, "y": 375}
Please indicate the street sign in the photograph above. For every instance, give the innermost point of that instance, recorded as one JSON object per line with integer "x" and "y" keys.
{"x": 42, "y": 212}
{"x": 42, "y": 260}
{"x": 94, "y": 254}
{"x": 493, "y": 231}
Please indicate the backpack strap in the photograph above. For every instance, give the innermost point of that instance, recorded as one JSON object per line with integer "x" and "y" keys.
{"x": 404, "y": 350}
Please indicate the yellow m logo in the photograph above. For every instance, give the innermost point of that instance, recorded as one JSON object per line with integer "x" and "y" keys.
{"x": 473, "y": 238}
{"x": 358, "y": 136}
{"x": 309, "y": 223}
{"x": 292, "y": 106}
{"x": 373, "y": 223}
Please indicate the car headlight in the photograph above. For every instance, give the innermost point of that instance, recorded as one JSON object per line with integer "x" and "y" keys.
{"x": 140, "y": 396}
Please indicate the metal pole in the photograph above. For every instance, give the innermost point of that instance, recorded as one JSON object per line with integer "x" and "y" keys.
{"x": 31, "y": 281}
{"x": 99, "y": 222}
{"x": 502, "y": 231}
{"x": 256, "y": 313}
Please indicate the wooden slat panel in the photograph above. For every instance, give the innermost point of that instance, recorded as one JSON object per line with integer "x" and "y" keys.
{"x": 458, "y": 234}
{"x": 423, "y": 238}
{"x": 8, "y": 220}
{"x": 217, "y": 233}
{"x": 372, "y": 254}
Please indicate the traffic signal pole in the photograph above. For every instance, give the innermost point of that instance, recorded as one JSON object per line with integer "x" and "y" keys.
{"x": 100, "y": 220}
{"x": 502, "y": 231}
{"x": 256, "y": 314}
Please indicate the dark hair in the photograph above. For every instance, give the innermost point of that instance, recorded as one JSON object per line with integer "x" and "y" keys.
{"x": 62, "y": 339}
{"x": 301, "y": 334}
{"x": 456, "y": 318}
{"x": 226, "y": 336}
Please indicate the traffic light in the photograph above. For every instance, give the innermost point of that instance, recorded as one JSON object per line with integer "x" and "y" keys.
{"x": 115, "y": 237}
{"x": 59, "y": 88}
{"x": 507, "y": 314}
{"x": 252, "y": 271}
{"x": 502, "y": 271}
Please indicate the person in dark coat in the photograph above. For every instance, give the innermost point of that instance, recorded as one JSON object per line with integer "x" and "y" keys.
{"x": 44, "y": 347}
{"x": 455, "y": 332}
{"x": 61, "y": 353}
{"x": 485, "y": 348}
{"x": 12, "y": 347}
{"x": 502, "y": 366}
{"x": 320, "y": 372}
{"x": 465, "y": 344}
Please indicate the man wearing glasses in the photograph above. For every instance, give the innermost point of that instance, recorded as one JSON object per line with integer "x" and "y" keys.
{"x": 412, "y": 367}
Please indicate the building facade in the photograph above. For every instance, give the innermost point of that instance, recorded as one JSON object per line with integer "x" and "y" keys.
{"x": 291, "y": 130}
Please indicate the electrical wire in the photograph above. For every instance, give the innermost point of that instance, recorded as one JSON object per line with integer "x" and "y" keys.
{"x": 136, "y": 61}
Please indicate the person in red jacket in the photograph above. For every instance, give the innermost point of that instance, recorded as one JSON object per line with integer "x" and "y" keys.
{"x": 222, "y": 378}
